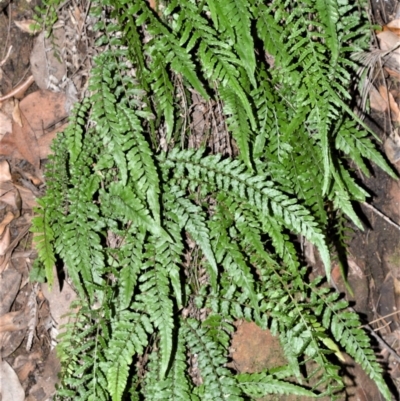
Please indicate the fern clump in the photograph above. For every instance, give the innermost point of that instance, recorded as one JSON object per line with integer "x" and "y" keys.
{"x": 169, "y": 244}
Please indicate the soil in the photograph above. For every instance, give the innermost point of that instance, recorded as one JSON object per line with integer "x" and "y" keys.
{"x": 373, "y": 260}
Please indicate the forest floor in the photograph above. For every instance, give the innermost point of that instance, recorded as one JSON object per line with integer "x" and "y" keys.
{"x": 32, "y": 73}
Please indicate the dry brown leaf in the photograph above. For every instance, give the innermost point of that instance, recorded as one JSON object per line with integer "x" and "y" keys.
{"x": 392, "y": 148}
{"x": 8, "y": 218}
{"x": 35, "y": 180}
{"x": 8, "y": 193}
{"x": 377, "y": 102}
{"x": 10, "y": 281}
{"x": 76, "y": 17}
{"x": 59, "y": 301}
{"x": 394, "y": 26}
{"x": 9, "y": 199}
{"x": 13, "y": 321}
{"x": 29, "y": 26}
{"x": 5, "y": 124}
{"x": 17, "y": 114}
{"x": 394, "y": 107}
{"x": 10, "y": 387}
{"x": 7, "y": 106}
{"x": 46, "y": 382}
{"x": 28, "y": 367}
{"x": 5, "y": 240}
{"x": 10, "y": 196}
{"x": 27, "y": 197}
{"x": 19, "y": 90}
{"x": 10, "y": 341}
{"x": 39, "y": 111}
{"x": 388, "y": 40}
{"x": 5, "y": 174}
{"x": 153, "y": 4}
{"x": 393, "y": 73}
{"x": 45, "y": 141}
{"x": 23, "y": 230}
{"x": 46, "y": 65}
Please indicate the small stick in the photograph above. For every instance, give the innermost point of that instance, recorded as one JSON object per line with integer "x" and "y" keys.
{"x": 391, "y": 222}
{"x": 384, "y": 317}
{"x": 19, "y": 89}
{"x": 7, "y": 56}
{"x": 382, "y": 342}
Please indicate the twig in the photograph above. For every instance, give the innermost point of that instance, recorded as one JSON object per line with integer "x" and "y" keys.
{"x": 384, "y": 217}
{"x": 382, "y": 342}
{"x": 6, "y": 57}
{"x": 384, "y": 317}
{"x": 20, "y": 89}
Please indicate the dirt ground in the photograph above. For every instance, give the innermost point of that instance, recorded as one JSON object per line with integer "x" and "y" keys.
{"x": 38, "y": 86}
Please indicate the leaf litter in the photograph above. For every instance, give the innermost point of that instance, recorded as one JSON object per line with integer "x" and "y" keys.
{"x": 34, "y": 106}
{"x": 31, "y": 314}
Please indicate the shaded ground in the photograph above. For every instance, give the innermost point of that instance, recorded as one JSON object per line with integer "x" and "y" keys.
{"x": 29, "y": 314}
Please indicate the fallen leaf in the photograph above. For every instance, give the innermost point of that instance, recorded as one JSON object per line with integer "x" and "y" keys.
{"x": 394, "y": 107}
{"x": 9, "y": 198}
{"x": 10, "y": 281}
{"x": 45, "y": 141}
{"x": 35, "y": 180}
{"x": 46, "y": 382}
{"x": 376, "y": 101}
{"x": 392, "y": 148}
{"x": 393, "y": 73}
{"x": 45, "y": 60}
{"x": 29, "y": 26}
{"x": 39, "y": 111}
{"x": 30, "y": 365}
{"x": 10, "y": 341}
{"x": 27, "y": 197}
{"x": 394, "y": 26}
{"x": 13, "y": 321}
{"x": 17, "y": 114}
{"x": 59, "y": 301}
{"x": 7, "y": 106}
{"x": 388, "y": 40}
{"x": 10, "y": 387}
{"x": 6, "y": 253}
{"x": 5, "y": 174}
{"x": 8, "y": 218}
{"x": 76, "y": 17}
{"x": 5, "y": 239}
{"x": 19, "y": 90}
{"x": 5, "y": 124}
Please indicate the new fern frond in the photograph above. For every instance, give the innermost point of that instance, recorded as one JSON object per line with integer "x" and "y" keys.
{"x": 168, "y": 245}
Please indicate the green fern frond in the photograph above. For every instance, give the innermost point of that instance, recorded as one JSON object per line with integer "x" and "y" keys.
{"x": 217, "y": 380}
{"x": 329, "y": 12}
{"x": 230, "y": 177}
{"x": 155, "y": 295}
{"x": 238, "y": 123}
{"x": 43, "y": 240}
{"x": 177, "y": 385}
{"x": 129, "y": 337}
{"x": 193, "y": 220}
{"x": 261, "y": 384}
{"x": 168, "y": 246}
{"x": 346, "y": 331}
{"x": 238, "y": 14}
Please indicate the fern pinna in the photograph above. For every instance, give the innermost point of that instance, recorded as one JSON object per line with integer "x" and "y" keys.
{"x": 169, "y": 244}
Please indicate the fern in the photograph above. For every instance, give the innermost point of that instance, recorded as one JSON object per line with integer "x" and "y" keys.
{"x": 260, "y": 384}
{"x": 168, "y": 244}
